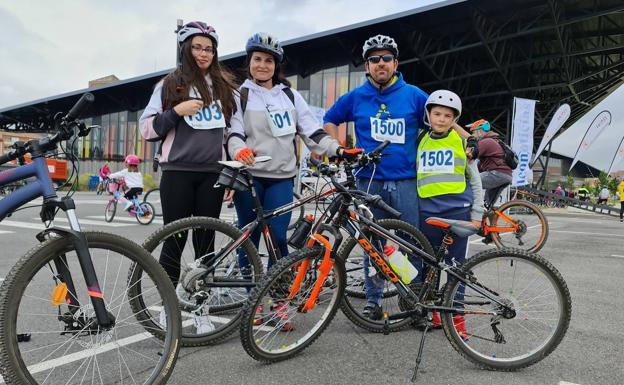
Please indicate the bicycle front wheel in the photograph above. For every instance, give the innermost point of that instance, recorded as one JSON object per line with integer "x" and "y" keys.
{"x": 111, "y": 209}
{"x": 490, "y": 335}
{"x": 145, "y": 215}
{"x": 520, "y": 224}
{"x": 66, "y": 344}
{"x": 223, "y": 275}
{"x": 355, "y": 294}
{"x": 275, "y": 325}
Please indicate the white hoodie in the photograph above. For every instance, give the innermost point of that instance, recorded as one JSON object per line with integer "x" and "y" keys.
{"x": 254, "y": 131}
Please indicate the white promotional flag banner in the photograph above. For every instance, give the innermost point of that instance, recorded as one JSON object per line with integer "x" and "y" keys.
{"x": 560, "y": 117}
{"x": 617, "y": 158}
{"x": 522, "y": 140}
{"x": 596, "y": 128}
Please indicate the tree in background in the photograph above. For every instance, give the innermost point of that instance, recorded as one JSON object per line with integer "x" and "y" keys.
{"x": 569, "y": 184}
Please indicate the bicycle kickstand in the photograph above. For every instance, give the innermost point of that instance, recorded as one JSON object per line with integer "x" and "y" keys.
{"x": 420, "y": 351}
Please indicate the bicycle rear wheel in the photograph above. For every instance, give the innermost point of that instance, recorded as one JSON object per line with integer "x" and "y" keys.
{"x": 217, "y": 296}
{"x": 111, "y": 209}
{"x": 527, "y": 283}
{"x": 355, "y": 298}
{"x": 153, "y": 197}
{"x": 531, "y": 229}
{"x": 146, "y": 216}
{"x": 66, "y": 349}
{"x": 274, "y": 327}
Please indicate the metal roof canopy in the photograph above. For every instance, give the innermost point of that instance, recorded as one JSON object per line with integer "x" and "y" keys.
{"x": 488, "y": 51}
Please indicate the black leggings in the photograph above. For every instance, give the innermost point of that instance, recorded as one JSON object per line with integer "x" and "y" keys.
{"x": 621, "y": 209}
{"x": 184, "y": 194}
{"x": 133, "y": 193}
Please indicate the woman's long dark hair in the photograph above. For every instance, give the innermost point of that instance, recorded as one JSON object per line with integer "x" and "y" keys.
{"x": 277, "y": 78}
{"x": 178, "y": 83}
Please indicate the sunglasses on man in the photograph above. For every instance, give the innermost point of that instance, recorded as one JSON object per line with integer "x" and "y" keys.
{"x": 387, "y": 58}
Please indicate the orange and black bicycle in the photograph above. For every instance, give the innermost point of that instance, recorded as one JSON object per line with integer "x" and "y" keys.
{"x": 504, "y": 309}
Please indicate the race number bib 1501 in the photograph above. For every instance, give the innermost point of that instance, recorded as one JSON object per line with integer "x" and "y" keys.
{"x": 281, "y": 122}
{"x": 388, "y": 129}
{"x": 208, "y": 118}
{"x": 441, "y": 161}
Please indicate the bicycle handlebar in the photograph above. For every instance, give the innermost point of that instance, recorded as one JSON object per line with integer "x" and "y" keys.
{"x": 64, "y": 132}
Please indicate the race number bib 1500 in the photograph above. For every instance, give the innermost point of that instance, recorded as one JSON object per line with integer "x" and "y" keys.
{"x": 441, "y": 161}
{"x": 208, "y": 118}
{"x": 281, "y": 122}
{"x": 388, "y": 129}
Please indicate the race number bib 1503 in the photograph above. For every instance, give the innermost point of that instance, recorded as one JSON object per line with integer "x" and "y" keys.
{"x": 281, "y": 122}
{"x": 441, "y": 161}
{"x": 208, "y": 118}
{"x": 388, "y": 129}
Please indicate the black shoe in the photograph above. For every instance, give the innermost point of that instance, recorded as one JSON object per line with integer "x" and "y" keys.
{"x": 487, "y": 239}
{"x": 372, "y": 311}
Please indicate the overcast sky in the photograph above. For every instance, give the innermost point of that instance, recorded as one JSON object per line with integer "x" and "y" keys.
{"x": 51, "y": 47}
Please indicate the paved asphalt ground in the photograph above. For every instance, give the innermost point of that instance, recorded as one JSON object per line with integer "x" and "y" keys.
{"x": 588, "y": 249}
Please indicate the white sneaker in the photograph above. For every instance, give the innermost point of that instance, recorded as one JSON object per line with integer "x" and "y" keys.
{"x": 203, "y": 324}
{"x": 163, "y": 319}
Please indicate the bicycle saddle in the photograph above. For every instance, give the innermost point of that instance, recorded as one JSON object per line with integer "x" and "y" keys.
{"x": 237, "y": 164}
{"x": 460, "y": 228}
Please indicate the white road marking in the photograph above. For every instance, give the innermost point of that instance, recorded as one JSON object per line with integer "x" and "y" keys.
{"x": 123, "y": 218}
{"x": 26, "y": 225}
{"x": 586, "y": 233}
{"x": 6, "y": 232}
{"x": 567, "y": 383}
{"x": 617, "y": 256}
{"x": 95, "y": 223}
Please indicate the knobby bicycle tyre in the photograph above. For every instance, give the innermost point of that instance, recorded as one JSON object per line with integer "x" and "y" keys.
{"x": 354, "y": 299}
{"x": 536, "y": 291}
{"x": 116, "y": 355}
{"x": 533, "y": 226}
{"x": 224, "y": 306}
{"x": 271, "y": 316}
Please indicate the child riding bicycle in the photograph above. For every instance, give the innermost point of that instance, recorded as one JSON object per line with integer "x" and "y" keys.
{"x": 133, "y": 179}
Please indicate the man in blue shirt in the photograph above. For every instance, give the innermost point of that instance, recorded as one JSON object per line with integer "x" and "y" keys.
{"x": 384, "y": 108}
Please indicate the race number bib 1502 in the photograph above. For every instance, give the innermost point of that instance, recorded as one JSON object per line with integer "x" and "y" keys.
{"x": 388, "y": 129}
{"x": 441, "y": 161}
{"x": 208, "y": 118}
{"x": 281, "y": 122}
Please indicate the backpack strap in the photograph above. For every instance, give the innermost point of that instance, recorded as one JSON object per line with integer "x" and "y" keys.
{"x": 290, "y": 95}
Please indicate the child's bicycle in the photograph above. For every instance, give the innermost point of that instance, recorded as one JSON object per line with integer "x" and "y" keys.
{"x": 517, "y": 223}
{"x": 103, "y": 186}
{"x": 66, "y": 306}
{"x": 504, "y": 309}
{"x": 143, "y": 212}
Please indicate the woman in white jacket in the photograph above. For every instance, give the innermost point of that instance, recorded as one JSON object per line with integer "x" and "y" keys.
{"x": 271, "y": 115}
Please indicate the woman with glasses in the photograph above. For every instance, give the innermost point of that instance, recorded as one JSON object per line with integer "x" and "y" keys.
{"x": 189, "y": 111}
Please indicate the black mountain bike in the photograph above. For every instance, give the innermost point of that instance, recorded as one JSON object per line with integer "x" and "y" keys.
{"x": 504, "y": 309}
{"x": 66, "y": 307}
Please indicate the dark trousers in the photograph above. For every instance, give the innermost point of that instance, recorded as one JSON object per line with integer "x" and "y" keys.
{"x": 184, "y": 194}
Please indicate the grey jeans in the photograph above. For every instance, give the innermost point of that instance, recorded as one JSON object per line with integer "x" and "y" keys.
{"x": 491, "y": 180}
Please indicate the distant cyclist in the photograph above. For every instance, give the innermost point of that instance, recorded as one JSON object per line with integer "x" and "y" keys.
{"x": 132, "y": 178}
{"x": 492, "y": 166}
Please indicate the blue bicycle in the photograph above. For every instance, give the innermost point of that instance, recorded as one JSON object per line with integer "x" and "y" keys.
{"x": 68, "y": 307}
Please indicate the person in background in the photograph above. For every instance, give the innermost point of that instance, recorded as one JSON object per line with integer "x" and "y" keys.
{"x": 603, "y": 196}
{"x": 133, "y": 179}
{"x": 620, "y": 191}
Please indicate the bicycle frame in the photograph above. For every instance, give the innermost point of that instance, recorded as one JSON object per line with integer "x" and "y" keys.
{"x": 487, "y": 229}
{"x": 42, "y": 187}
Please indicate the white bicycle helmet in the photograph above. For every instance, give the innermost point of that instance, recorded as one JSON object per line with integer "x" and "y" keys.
{"x": 380, "y": 42}
{"x": 197, "y": 28}
{"x": 264, "y": 42}
{"x": 444, "y": 98}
